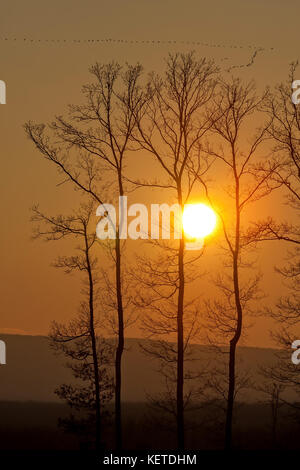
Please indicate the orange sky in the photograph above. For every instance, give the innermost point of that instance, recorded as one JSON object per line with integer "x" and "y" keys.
{"x": 42, "y": 78}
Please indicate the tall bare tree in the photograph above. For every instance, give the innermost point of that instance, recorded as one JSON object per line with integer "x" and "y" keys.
{"x": 99, "y": 130}
{"x": 79, "y": 340}
{"x": 249, "y": 181}
{"x": 284, "y": 131}
{"x": 171, "y": 123}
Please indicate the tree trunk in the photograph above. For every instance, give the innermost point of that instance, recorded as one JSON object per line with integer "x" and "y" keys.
{"x": 230, "y": 397}
{"x": 120, "y": 345}
{"x": 94, "y": 349}
{"x": 232, "y": 353}
{"x": 97, "y": 390}
{"x": 180, "y": 343}
{"x": 234, "y": 341}
{"x": 120, "y": 348}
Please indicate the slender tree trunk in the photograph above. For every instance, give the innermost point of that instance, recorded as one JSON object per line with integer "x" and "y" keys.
{"x": 97, "y": 388}
{"x": 120, "y": 348}
{"x": 94, "y": 348}
{"x": 120, "y": 345}
{"x": 230, "y": 397}
{"x": 234, "y": 341}
{"x": 232, "y": 356}
{"x": 180, "y": 344}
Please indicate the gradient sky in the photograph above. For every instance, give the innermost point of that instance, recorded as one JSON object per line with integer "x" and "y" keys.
{"x": 43, "y": 77}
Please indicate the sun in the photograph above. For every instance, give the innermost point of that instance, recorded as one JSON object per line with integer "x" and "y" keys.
{"x": 198, "y": 220}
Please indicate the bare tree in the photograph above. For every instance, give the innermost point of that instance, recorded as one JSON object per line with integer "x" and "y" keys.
{"x": 157, "y": 279}
{"x": 284, "y": 131}
{"x": 171, "y": 123}
{"x": 99, "y": 130}
{"x": 248, "y": 183}
{"x": 79, "y": 340}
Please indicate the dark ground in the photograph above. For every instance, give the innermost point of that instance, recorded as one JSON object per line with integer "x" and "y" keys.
{"x": 32, "y": 426}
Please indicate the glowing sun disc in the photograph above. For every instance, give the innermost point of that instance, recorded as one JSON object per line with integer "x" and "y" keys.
{"x": 198, "y": 220}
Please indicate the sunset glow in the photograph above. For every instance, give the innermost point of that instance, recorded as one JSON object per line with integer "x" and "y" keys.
{"x": 198, "y": 220}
